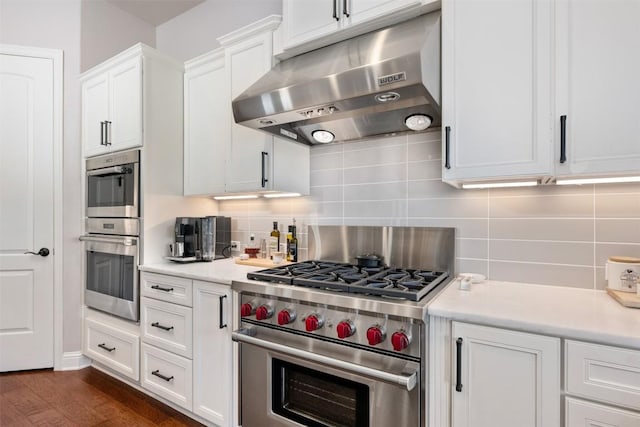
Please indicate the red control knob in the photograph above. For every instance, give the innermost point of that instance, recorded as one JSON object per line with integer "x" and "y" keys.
{"x": 375, "y": 335}
{"x": 246, "y": 309}
{"x": 263, "y": 312}
{"x": 400, "y": 341}
{"x": 345, "y": 329}
{"x": 313, "y": 322}
{"x": 285, "y": 317}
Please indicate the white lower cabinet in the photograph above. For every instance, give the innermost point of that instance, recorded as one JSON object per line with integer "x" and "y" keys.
{"x": 167, "y": 325}
{"x": 212, "y": 361}
{"x": 605, "y": 374}
{"x": 503, "y": 378}
{"x": 168, "y": 375}
{"x": 186, "y": 351}
{"x": 579, "y": 413}
{"x": 112, "y": 346}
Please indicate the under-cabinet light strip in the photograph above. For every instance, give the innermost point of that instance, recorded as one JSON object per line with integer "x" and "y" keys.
{"x": 500, "y": 184}
{"x": 276, "y": 195}
{"x": 246, "y": 196}
{"x": 611, "y": 180}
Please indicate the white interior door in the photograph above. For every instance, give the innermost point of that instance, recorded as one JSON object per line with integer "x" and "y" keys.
{"x": 26, "y": 212}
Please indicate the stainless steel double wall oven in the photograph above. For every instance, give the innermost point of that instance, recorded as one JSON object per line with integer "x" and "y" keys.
{"x": 112, "y": 233}
{"x": 328, "y": 342}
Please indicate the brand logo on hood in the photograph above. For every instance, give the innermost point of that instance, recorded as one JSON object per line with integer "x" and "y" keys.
{"x": 392, "y": 78}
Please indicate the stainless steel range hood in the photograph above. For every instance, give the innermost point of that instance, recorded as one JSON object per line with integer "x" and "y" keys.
{"x": 357, "y": 88}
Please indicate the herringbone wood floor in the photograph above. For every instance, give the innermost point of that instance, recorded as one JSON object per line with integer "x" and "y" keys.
{"x": 86, "y": 397}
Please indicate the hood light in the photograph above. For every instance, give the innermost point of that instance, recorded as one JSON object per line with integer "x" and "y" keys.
{"x": 322, "y": 136}
{"x": 418, "y": 122}
{"x": 388, "y": 96}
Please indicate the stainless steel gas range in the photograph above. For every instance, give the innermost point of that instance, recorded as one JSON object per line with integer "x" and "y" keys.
{"x": 327, "y": 342}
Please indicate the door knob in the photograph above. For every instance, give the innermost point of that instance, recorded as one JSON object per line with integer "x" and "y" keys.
{"x": 41, "y": 252}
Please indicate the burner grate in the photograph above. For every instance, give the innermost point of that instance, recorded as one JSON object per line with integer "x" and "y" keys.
{"x": 396, "y": 283}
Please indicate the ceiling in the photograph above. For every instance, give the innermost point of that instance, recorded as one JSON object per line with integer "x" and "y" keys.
{"x": 155, "y": 12}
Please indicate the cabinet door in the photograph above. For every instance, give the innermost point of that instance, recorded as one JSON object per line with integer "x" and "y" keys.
{"x": 95, "y": 112}
{"x": 306, "y": 20}
{"x": 249, "y": 150}
{"x": 206, "y": 127}
{"x": 496, "y": 88}
{"x": 212, "y": 363}
{"x": 125, "y": 105}
{"x": 505, "y": 378}
{"x": 366, "y": 10}
{"x": 598, "y": 57}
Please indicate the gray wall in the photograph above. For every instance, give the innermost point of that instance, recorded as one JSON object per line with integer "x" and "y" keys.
{"x": 55, "y": 24}
{"x": 107, "y": 30}
{"x": 79, "y": 28}
{"x": 195, "y": 31}
{"x": 559, "y": 235}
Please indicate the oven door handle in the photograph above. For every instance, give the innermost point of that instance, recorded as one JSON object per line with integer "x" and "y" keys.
{"x": 108, "y": 171}
{"x": 246, "y": 336}
{"x": 126, "y": 241}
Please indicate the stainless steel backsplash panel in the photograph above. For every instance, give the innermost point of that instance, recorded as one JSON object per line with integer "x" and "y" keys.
{"x": 410, "y": 247}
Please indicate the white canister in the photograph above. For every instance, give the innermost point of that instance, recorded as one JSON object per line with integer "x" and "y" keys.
{"x": 622, "y": 273}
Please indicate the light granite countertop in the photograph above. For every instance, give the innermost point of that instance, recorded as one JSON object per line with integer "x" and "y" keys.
{"x": 222, "y": 271}
{"x": 580, "y": 314}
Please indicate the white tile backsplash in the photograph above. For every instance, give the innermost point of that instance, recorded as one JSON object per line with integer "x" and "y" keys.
{"x": 553, "y": 235}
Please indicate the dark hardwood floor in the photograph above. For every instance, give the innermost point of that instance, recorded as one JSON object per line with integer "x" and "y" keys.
{"x": 86, "y": 397}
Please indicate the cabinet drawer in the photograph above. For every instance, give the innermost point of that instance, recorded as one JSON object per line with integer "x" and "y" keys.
{"x": 604, "y": 373}
{"x": 167, "y": 375}
{"x": 117, "y": 349}
{"x": 166, "y": 325}
{"x": 167, "y": 288}
{"x": 586, "y": 414}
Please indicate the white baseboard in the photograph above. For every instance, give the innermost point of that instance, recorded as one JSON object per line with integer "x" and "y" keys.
{"x": 73, "y": 360}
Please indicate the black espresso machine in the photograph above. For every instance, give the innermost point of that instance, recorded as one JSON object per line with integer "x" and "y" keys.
{"x": 201, "y": 239}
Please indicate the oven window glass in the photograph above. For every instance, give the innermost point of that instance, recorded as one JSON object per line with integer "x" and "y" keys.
{"x": 111, "y": 189}
{"x": 317, "y": 399}
{"x": 110, "y": 274}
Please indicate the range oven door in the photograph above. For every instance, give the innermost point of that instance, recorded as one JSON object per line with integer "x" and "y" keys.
{"x": 112, "y": 189}
{"x": 290, "y": 380}
{"x": 111, "y": 282}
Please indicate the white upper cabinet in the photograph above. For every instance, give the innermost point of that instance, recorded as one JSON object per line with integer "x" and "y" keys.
{"x": 305, "y": 20}
{"x": 250, "y": 150}
{"x": 207, "y": 117}
{"x": 251, "y": 166}
{"x": 598, "y": 87}
{"x": 112, "y": 108}
{"x": 315, "y": 23}
{"x": 504, "y": 378}
{"x": 496, "y": 89}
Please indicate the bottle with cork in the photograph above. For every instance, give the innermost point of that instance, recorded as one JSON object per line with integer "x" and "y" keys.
{"x": 292, "y": 243}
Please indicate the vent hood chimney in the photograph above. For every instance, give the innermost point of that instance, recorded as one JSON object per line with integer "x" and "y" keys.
{"x": 381, "y": 83}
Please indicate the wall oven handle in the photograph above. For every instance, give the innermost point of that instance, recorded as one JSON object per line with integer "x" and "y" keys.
{"x": 121, "y": 240}
{"x": 245, "y": 335}
{"x": 108, "y": 171}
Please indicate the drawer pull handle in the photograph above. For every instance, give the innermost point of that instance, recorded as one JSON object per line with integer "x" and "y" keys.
{"x": 104, "y": 347}
{"x": 159, "y": 375}
{"x": 160, "y": 288}
{"x": 158, "y": 325}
